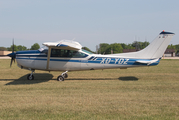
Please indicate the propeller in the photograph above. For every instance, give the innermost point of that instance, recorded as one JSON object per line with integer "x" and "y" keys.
{"x": 12, "y": 55}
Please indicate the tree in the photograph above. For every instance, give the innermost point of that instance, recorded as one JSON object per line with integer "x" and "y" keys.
{"x": 3, "y": 49}
{"x": 129, "y": 46}
{"x": 177, "y": 49}
{"x": 171, "y": 46}
{"x": 21, "y": 48}
{"x": 145, "y": 44}
{"x": 140, "y": 45}
{"x": 15, "y": 48}
{"x": 35, "y": 46}
{"x": 103, "y": 47}
{"x": 124, "y": 46}
{"x": 136, "y": 44}
{"x": 115, "y": 47}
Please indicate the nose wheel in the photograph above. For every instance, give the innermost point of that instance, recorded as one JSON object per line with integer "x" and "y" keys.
{"x": 31, "y": 76}
{"x": 62, "y": 76}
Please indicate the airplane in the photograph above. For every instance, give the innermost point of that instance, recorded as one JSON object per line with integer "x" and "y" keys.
{"x": 67, "y": 55}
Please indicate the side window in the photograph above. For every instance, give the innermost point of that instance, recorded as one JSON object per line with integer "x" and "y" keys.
{"x": 67, "y": 53}
{"x": 79, "y": 55}
{"x": 56, "y": 53}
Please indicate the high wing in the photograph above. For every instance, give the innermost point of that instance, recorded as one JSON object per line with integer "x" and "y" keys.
{"x": 64, "y": 44}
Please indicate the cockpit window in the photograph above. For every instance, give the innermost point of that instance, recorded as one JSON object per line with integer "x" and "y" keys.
{"x": 67, "y": 53}
{"x": 45, "y": 51}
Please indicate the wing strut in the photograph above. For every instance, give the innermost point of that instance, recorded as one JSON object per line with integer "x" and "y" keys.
{"x": 48, "y": 57}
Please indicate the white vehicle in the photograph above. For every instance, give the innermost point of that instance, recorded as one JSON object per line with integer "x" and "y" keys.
{"x": 69, "y": 56}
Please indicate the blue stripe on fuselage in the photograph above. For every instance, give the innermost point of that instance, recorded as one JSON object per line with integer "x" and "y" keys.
{"x": 62, "y": 60}
{"x": 31, "y": 55}
{"x": 28, "y": 52}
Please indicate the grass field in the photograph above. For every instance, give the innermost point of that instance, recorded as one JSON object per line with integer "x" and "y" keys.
{"x": 134, "y": 93}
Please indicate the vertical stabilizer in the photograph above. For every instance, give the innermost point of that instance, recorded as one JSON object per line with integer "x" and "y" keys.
{"x": 157, "y": 48}
{"x": 154, "y": 50}
{"x": 164, "y": 39}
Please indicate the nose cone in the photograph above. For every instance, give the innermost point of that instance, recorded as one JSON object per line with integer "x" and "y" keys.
{"x": 12, "y": 55}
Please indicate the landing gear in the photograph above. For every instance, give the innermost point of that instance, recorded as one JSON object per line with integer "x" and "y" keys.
{"x": 65, "y": 75}
{"x": 59, "y": 78}
{"x": 62, "y": 76}
{"x": 31, "y": 76}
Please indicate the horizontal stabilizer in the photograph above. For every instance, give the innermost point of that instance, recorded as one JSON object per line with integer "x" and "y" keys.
{"x": 148, "y": 62}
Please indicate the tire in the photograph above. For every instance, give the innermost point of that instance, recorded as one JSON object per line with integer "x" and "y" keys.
{"x": 65, "y": 75}
{"x": 60, "y": 78}
{"x": 29, "y": 77}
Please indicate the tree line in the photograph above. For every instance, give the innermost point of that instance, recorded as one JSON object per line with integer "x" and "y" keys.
{"x": 176, "y": 47}
{"x": 105, "y": 48}
{"x": 35, "y": 46}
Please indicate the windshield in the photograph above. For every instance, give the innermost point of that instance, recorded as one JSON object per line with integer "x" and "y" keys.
{"x": 86, "y": 51}
{"x": 43, "y": 48}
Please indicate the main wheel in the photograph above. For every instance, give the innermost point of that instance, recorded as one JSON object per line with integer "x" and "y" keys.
{"x": 65, "y": 75}
{"x": 60, "y": 78}
{"x": 30, "y": 77}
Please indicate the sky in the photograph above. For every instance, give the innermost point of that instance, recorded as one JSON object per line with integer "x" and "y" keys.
{"x": 89, "y": 22}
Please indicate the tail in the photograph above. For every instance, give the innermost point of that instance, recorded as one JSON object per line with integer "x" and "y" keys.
{"x": 155, "y": 50}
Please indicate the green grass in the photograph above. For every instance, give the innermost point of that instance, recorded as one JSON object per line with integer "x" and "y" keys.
{"x": 134, "y": 93}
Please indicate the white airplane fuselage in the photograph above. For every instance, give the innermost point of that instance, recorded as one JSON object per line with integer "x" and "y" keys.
{"x": 69, "y": 56}
{"x": 38, "y": 60}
